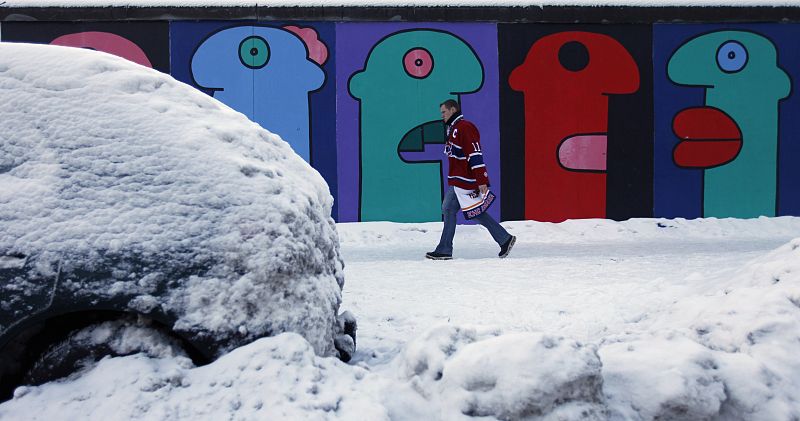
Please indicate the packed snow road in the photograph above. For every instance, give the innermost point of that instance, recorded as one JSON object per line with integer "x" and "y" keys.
{"x": 584, "y": 279}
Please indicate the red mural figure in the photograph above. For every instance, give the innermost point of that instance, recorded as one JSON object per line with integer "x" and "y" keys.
{"x": 566, "y": 79}
{"x": 107, "y": 43}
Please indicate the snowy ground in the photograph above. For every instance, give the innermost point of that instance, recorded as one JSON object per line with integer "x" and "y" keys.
{"x": 591, "y": 319}
{"x": 583, "y": 279}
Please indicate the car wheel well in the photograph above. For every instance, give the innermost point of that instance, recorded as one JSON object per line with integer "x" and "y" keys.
{"x": 21, "y": 352}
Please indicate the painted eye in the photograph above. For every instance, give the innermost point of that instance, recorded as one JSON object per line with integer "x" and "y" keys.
{"x": 418, "y": 63}
{"x": 573, "y": 56}
{"x": 254, "y": 52}
{"x": 731, "y": 57}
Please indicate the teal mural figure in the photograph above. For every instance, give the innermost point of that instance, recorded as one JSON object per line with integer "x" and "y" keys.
{"x": 406, "y": 76}
{"x": 743, "y": 86}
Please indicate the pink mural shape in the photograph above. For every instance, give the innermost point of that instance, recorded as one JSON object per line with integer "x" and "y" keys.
{"x": 317, "y": 50}
{"x": 107, "y": 43}
{"x": 584, "y": 152}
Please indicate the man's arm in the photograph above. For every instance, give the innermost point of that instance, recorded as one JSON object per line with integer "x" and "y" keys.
{"x": 472, "y": 150}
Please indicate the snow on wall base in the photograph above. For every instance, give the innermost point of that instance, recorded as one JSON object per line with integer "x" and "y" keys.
{"x": 632, "y": 11}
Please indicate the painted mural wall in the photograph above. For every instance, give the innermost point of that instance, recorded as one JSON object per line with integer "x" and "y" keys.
{"x": 576, "y": 121}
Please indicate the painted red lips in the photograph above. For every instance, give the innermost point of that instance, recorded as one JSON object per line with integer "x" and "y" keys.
{"x": 708, "y": 138}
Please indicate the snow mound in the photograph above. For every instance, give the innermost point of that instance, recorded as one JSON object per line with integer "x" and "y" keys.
{"x": 467, "y": 372}
{"x": 272, "y": 378}
{"x": 662, "y": 378}
{"x": 199, "y": 212}
{"x": 729, "y": 353}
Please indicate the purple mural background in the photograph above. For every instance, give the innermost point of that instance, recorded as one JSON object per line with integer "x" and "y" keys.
{"x": 354, "y": 42}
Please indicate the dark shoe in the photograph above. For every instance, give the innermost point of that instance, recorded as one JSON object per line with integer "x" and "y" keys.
{"x": 506, "y": 248}
{"x": 438, "y": 256}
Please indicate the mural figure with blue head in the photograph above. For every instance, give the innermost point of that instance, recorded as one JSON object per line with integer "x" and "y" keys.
{"x": 733, "y": 137}
{"x": 266, "y": 73}
{"x": 405, "y": 78}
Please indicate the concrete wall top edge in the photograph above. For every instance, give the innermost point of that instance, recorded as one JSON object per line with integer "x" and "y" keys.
{"x": 505, "y": 14}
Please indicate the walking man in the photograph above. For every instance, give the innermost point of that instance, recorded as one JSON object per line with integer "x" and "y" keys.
{"x": 468, "y": 184}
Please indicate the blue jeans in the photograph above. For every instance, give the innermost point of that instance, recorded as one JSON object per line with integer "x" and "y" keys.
{"x": 450, "y": 209}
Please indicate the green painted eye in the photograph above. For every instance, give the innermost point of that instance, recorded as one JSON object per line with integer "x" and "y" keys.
{"x": 254, "y": 52}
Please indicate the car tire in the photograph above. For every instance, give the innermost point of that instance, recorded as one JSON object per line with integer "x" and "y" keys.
{"x": 84, "y": 347}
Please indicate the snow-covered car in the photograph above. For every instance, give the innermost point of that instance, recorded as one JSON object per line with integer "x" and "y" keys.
{"x": 139, "y": 214}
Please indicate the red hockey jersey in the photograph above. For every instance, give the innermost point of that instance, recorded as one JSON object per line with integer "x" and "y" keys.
{"x": 463, "y": 148}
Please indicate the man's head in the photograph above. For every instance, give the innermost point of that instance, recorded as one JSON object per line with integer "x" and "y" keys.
{"x": 448, "y": 108}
